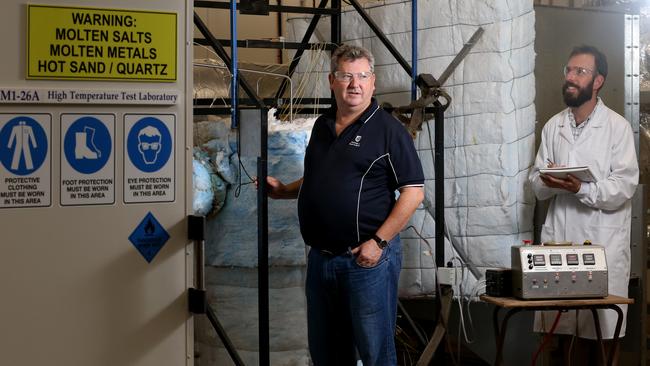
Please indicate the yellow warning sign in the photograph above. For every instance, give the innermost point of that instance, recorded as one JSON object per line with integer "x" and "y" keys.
{"x": 100, "y": 44}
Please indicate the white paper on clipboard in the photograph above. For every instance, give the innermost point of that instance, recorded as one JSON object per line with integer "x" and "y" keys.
{"x": 581, "y": 172}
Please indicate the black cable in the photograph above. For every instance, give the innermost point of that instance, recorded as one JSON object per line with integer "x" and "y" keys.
{"x": 241, "y": 166}
{"x": 439, "y": 294}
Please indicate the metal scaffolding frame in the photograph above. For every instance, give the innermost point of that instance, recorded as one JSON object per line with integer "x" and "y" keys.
{"x": 204, "y": 107}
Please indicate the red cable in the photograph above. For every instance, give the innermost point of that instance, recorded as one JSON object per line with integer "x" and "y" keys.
{"x": 547, "y": 337}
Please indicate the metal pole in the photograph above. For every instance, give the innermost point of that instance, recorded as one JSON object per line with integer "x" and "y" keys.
{"x": 439, "y": 175}
{"x": 221, "y": 52}
{"x": 382, "y": 37}
{"x": 414, "y": 48}
{"x": 263, "y": 243}
{"x": 221, "y": 332}
{"x": 335, "y": 26}
{"x": 234, "y": 95}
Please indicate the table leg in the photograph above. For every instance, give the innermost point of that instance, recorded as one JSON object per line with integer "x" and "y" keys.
{"x": 500, "y": 332}
{"x": 617, "y": 332}
{"x": 599, "y": 333}
{"x": 495, "y": 325}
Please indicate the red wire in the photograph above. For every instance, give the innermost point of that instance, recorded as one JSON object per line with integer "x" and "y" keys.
{"x": 547, "y": 338}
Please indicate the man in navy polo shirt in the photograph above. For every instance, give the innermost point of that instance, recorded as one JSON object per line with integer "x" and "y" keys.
{"x": 358, "y": 156}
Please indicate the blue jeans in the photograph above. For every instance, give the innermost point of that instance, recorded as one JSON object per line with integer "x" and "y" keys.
{"x": 352, "y": 309}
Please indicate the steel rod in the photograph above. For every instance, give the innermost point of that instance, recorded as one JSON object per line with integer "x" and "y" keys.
{"x": 263, "y": 243}
{"x": 221, "y": 332}
{"x": 221, "y": 52}
{"x": 234, "y": 69}
{"x": 439, "y": 175}
{"x": 272, "y": 8}
{"x": 382, "y": 37}
{"x": 414, "y": 49}
{"x": 264, "y": 43}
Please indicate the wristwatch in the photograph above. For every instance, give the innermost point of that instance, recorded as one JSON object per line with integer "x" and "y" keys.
{"x": 381, "y": 243}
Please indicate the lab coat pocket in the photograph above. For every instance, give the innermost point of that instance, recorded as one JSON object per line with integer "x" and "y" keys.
{"x": 616, "y": 241}
{"x": 602, "y": 235}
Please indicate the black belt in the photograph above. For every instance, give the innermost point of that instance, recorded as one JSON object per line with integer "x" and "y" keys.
{"x": 331, "y": 254}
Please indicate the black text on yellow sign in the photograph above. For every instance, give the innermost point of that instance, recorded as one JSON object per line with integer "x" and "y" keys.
{"x": 100, "y": 44}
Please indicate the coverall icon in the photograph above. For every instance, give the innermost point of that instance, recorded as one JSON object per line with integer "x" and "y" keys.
{"x": 21, "y": 136}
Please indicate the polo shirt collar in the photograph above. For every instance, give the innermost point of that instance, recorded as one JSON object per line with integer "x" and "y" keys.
{"x": 365, "y": 116}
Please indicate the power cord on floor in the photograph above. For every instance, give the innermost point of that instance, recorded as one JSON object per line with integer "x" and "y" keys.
{"x": 459, "y": 283}
{"x": 547, "y": 338}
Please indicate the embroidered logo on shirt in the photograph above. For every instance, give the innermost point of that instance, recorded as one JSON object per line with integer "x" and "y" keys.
{"x": 355, "y": 142}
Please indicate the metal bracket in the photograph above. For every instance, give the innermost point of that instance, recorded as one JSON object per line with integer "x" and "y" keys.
{"x": 445, "y": 299}
{"x": 197, "y": 301}
{"x": 432, "y": 92}
{"x": 196, "y": 227}
{"x": 197, "y": 297}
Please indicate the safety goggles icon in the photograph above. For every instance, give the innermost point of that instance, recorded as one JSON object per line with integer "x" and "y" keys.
{"x": 150, "y": 145}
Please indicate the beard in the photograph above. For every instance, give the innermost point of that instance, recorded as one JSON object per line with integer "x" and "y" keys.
{"x": 584, "y": 94}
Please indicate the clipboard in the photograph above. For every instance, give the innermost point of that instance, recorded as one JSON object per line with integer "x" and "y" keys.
{"x": 581, "y": 172}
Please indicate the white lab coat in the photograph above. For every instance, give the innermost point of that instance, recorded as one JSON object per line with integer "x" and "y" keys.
{"x": 599, "y": 212}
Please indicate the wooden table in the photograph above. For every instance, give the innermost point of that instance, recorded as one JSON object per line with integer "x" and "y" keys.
{"x": 515, "y": 305}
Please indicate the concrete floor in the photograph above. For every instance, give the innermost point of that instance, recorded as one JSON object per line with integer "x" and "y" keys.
{"x": 232, "y": 292}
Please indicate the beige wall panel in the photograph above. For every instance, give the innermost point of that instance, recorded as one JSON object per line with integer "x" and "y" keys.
{"x": 75, "y": 291}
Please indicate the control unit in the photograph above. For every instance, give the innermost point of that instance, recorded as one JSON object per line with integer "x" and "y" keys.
{"x": 559, "y": 271}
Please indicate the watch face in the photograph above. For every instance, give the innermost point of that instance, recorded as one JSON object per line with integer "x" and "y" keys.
{"x": 383, "y": 244}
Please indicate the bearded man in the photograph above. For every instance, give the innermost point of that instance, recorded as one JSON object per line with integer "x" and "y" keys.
{"x": 588, "y": 133}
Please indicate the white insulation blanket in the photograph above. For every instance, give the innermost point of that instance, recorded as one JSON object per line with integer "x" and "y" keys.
{"x": 489, "y": 126}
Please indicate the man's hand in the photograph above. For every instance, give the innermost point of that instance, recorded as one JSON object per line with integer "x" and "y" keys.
{"x": 278, "y": 190}
{"x": 368, "y": 253}
{"x": 570, "y": 183}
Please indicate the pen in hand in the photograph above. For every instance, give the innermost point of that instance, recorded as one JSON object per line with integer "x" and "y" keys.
{"x": 549, "y": 163}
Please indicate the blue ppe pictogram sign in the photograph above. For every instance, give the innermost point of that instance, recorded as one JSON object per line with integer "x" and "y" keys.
{"x": 149, "y": 237}
{"x": 87, "y": 145}
{"x": 87, "y": 159}
{"x": 23, "y": 145}
{"x": 149, "y": 144}
{"x": 25, "y": 164}
{"x": 149, "y": 158}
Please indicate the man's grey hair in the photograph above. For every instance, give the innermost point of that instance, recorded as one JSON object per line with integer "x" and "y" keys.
{"x": 351, "y": 53}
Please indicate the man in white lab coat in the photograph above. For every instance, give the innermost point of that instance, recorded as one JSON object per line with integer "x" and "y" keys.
{"x": 588, "y": 133}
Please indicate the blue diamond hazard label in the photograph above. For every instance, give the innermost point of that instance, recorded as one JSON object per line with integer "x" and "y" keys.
{"x": 149, "y": 237}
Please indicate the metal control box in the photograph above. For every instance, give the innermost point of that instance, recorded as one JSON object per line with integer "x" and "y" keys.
{"x": 559, "y": 271}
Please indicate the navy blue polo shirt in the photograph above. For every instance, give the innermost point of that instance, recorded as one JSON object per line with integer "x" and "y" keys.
{"x": 350, "y": 181}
